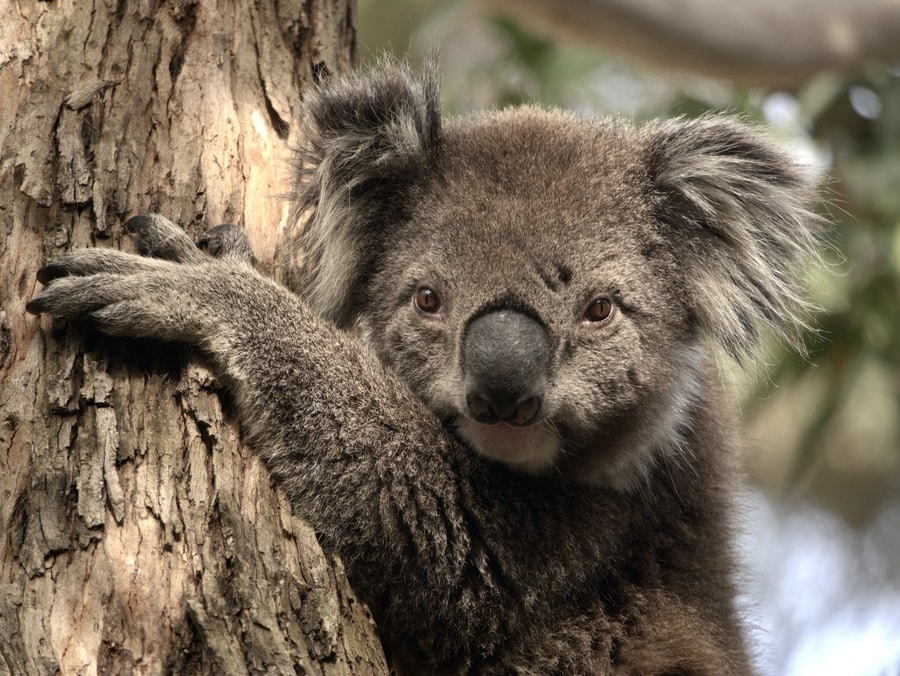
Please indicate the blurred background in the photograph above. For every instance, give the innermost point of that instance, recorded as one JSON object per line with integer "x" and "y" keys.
{"x": 822, "y": 531}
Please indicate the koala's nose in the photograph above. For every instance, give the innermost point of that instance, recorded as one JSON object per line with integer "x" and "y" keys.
{"x": 505, "y": 354}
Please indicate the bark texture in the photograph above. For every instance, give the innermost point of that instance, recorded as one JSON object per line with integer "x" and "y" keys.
{"x": 137, "y": 535}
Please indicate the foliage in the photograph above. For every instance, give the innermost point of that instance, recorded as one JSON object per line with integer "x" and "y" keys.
{"x": 857, "y": 123}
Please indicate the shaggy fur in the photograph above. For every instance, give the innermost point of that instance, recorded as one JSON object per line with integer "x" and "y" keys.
{"x": 594, "y": 538}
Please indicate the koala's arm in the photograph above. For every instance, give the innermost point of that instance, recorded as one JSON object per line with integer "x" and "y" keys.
{"x": 358, "y": 454}
{"x": 454, "y": 553}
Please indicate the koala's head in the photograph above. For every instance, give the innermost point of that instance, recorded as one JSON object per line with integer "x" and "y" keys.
{"x": 548, "y": 285}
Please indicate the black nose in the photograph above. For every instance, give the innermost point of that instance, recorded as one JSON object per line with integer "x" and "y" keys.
{"x": 505, "y": 356}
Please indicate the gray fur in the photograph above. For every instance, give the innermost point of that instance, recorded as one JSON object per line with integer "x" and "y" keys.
{"x": 366, "y": 138}
{"x": 716, "y": 181}
{"x": 595, "y": 540}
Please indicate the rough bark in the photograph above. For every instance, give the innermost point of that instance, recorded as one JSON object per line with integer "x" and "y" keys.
{"x": 767, "y": 42}
{"x": 137, "y": 535}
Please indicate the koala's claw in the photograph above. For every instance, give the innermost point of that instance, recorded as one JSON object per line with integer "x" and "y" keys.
{"x": 36, "y": 305}
{"x": 158, "y": 237}
{"x": 227, "y": 241}
{"x": 75, "y": 296}
{"x": 51, "y": 271}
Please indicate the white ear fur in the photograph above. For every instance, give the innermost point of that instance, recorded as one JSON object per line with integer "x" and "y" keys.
{"x": 365, "y": 139}
{"x": 737, "y": 211}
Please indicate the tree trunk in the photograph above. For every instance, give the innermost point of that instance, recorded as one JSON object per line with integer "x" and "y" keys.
{"x": 136, "y": 533}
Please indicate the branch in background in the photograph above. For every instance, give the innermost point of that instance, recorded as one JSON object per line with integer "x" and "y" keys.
{"x": 767, "y": 42}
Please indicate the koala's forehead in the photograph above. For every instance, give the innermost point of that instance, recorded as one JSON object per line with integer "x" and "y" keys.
{"x": 529, "y": 178}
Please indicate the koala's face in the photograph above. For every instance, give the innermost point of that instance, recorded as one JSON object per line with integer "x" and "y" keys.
{"x": 528, "y": 300}
{"x": 549, "y": 286}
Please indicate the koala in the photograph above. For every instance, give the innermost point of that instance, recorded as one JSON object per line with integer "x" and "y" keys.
{"x": 493, "y": 385}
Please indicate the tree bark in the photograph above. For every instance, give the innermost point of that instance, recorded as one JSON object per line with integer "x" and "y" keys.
{"x": 137, "y": 534}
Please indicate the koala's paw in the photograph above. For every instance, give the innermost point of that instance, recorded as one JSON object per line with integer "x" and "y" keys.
{"x": 227, "y": 241}
{"x": 172, "y": 292}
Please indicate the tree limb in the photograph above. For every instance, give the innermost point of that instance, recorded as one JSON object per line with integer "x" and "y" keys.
{"x": 767, "y": 42}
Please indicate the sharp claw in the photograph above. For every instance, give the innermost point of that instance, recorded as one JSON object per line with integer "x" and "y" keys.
{"x": 136, "y": 223}
{"x": 204, "y": 241}
{"x": 51, "y": 271}
{"x": 36, "y": 305}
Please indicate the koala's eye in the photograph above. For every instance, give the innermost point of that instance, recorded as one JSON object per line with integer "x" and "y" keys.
{"x": 426, "y": 300}
{"x": 599, "y": 310}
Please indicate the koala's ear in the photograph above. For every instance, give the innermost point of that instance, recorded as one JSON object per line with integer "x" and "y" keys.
{"x": 366, "y": 140}
{"x": 736, "y": 210}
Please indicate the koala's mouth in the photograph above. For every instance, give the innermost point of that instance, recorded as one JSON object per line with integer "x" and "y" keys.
{"x": 531, "y": 449}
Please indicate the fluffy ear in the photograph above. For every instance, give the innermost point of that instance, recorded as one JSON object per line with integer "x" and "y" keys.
{"x": 736, "y": 209}
{"x": 366, "y": 139}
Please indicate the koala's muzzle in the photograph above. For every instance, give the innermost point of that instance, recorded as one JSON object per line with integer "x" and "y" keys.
{"x": 506, "y": 354}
